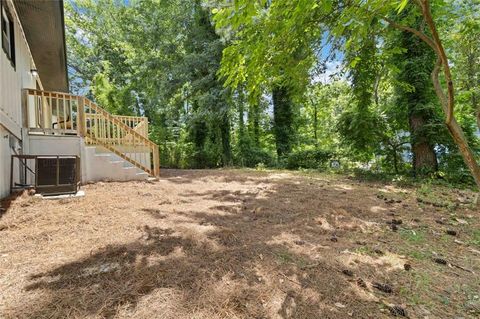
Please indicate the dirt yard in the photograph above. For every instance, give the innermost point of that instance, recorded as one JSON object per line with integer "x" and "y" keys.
{"x": 242, "y": 244}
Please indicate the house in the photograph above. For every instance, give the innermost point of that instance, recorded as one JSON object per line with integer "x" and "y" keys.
{"x": 38, "y": 117}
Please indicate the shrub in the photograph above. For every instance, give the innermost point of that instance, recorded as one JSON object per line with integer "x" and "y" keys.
{"x": 253, "y": 156}
{"x": 312, "y": 159}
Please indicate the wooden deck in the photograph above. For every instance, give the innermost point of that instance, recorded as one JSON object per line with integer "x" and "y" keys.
{"x": 56, "y": 113}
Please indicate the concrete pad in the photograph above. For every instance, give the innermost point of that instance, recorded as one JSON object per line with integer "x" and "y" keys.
{"x": 80, "y": 193}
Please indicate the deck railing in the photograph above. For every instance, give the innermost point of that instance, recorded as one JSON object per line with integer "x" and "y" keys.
{"x": 57, "y": 113}
{"x": 51, "y": 112}
{"x": 138, "y": 123}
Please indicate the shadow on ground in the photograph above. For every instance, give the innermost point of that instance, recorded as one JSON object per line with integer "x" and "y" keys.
{"x": 274, "y": 250}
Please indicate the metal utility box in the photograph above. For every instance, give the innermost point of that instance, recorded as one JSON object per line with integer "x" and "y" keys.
{"x": 57, "y": 175}
{"x": 52, "y": 175}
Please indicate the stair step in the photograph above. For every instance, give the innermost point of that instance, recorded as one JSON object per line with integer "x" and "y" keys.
{"x": 110, "y": 166}
{"x": 142, "y": 173}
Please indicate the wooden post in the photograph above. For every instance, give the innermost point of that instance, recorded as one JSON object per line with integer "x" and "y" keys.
{"x": 26, "y": 123}
{"x": 44, "y": 112}
{"x": 11, "y": 173}
{"x": 70, "y": 103}
{"x": 156, "y": 161}
{"x": 82, "y": 124}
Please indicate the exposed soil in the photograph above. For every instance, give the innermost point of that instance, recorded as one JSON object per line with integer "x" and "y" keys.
{"x": 242, "y": 244}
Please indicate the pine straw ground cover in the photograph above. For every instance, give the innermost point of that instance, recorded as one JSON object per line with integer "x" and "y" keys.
{"x": 242, "y": 244}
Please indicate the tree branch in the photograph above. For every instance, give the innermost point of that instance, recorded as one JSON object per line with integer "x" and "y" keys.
{"x": 419, "y": 34}
{"x": 427, "y": 15}
{"x": 437, "y": 86}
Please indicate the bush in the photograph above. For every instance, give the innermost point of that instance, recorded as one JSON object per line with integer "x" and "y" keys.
{"x": 311, "y": 159}
{"x": 253, "y": 157}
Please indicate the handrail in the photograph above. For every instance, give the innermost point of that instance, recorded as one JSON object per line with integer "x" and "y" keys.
{"x": 109, "y": 135}
{"x": 118, "y": 122}
{"x": 64, "y": 113}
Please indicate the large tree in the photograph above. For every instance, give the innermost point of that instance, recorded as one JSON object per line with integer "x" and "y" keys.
{"x": 353, "y": 18}
{"x": 159, "y": 59}
{"x": 415, "y": 94}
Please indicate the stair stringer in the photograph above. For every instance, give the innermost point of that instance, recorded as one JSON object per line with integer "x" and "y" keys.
{"x": 106, "y": 166}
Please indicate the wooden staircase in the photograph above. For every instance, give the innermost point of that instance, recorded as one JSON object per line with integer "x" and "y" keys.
{"x": 58, "y": 113}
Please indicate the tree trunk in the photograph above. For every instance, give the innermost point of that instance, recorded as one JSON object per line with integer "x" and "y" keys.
{"x": 225, "y": 136}
{"x": 241, "y": 129}
{"x": 198, "y": 132}
{"x": 282, "y": 117}
{"x": 424, "y": 157}
{"x": 254, "y": 123}
{"x": 395, "y": 161}
{"x": 315, "y": 122}
{"x": 448, "y": 101}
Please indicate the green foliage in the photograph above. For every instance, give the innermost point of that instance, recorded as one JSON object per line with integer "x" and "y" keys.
{"x": 360, "y": 130}
{"x": 283, "y": 114}
{"x": 238, "y": 83}
{"x": 413, "y": 236}
{"x": 475, "y": 238}
{"x": 310, "y": 159}
{"x": 255, "y": 157}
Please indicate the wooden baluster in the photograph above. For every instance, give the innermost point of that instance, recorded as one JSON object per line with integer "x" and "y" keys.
{"x": 42, "y": 108}
{"x": 50, "y": 106}
{"x": 113, "y": 137}
{"x": 71, "y": 113}
{"x": 88, "y": 117}
{"x": 108, "y": 133}
{"x": 36, "y": 111}
{"x": 97, "y": 131}
{"x": 64, "y": 115}
{"x": 91, "y": 132}
{"x": 118, "y": 135}
{"x": 57, "y": 103}
{"x": 134, "y": 148}
{"x": 105, "y": 122}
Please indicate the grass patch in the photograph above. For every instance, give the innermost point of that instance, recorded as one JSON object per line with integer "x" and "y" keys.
{"x": 412, "y": 236}
{"x": 427, "y": 194}
{"x": 420, "y": 285}
{"x": 284, "y": 257}
{"x": 364, "y": 251}
{"x": 475, "y": 238}
{"x": 419, "y": 255}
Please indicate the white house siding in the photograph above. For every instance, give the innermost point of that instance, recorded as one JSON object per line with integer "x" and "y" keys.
{"x": 4, "y": 162}
{"x": 12, "y": 81}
